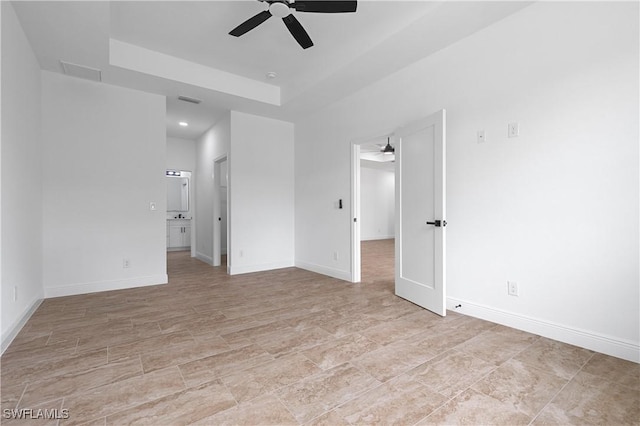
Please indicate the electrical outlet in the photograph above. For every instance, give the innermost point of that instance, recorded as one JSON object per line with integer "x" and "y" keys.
{"x": 15, "y": 293}
{"x": 335, "y": 255}
{"x": 126, "y": 263}
{"x": 512, "y": 288}
{"x": 241, "y": 253}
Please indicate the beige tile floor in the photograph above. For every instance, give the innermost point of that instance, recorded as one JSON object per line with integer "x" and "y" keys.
{"x": 293, "y": 347}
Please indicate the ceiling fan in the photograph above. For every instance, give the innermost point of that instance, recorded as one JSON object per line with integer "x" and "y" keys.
{"x": 282, "y": 9}
{"x": 379, "y": 152}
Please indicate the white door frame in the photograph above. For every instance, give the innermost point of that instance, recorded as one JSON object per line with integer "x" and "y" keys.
{"x": 356, "y": 255}
{"x": 217, "y": 205}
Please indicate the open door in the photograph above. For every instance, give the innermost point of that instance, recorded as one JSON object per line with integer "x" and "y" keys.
{"x": 420, "y": 213}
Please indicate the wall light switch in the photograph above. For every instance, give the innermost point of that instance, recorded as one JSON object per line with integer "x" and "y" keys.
{"x": 481, "y": 136}
{"x": 514, "y": 130}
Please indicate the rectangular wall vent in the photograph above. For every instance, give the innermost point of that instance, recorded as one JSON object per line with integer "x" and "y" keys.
{"x": 81, "y": 71}
{"x": 188, "y": 99}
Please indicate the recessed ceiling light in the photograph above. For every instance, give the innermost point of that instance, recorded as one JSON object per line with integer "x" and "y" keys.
{"x": 183, "y": 123}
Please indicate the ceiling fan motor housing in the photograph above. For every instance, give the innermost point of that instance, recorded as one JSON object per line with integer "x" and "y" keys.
{"x": 279, "y": 9}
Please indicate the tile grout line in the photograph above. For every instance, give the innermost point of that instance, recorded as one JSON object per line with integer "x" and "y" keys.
{"x": 142, "y": 366}
{"x": 61, "y": 408}
{"x": 561, "y": 389}
{"x": 463, "y": 390}
{"x": 274, "y": 393}
{"x": 357, "y": 395}
{"x": 49, "y": 338}
{"x": 22, "y": 395}
{"x": 496, "y": 367}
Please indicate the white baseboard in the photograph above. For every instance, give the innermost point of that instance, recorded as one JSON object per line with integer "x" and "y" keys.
{"x": 13, "y": 331}
{"x": 585, "y": 339}
{"x": 94, "y": 287}
{"x": 378, "y": 237}
{"x": 204, "y": 258}
{"x": 324, "y": 270}
{"x": 247, "y": 269}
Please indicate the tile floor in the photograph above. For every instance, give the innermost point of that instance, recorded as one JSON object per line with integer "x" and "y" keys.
{"x": 293, "y": 347}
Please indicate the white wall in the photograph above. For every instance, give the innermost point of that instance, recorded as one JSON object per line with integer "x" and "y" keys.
{"x": 104, "y": 153}
{"x": 181, "y": 155}
{"x": 260, "y": 194}
{"x": 212, "y": 144}
{"x": 555, "y": 210}
{"x": 21, "y": 178}
{"x": 377, "y": 203}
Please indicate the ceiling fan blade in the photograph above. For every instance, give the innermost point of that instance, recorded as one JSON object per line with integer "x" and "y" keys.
{"x": 325, "y": 6}
{"x": 250, "y": 23}
{"x": 297, "y": 31}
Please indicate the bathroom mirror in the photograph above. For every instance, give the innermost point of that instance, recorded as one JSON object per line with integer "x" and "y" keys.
{"x": 177, "y": 191}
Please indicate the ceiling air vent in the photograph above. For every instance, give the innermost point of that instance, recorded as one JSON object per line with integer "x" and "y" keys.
{"x": 81, "y": 71}
{"x": 188, "y": 99}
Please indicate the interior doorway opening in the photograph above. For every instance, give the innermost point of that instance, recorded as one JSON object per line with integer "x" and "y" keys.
{"x": 179, "y": 211}
{"x": 420, "y": 209}
{"x": 373, "y": 189}
{"x": 221, "y": 212}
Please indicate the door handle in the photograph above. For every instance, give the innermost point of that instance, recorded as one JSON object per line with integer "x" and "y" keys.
{"x": 438, "y": 223}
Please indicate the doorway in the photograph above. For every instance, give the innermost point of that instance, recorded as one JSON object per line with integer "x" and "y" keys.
{"x": 374, "y": 209}
{"x": 420, "y": 200}
{"x": 221, "y": 212}
{"x": 179, "y": 211}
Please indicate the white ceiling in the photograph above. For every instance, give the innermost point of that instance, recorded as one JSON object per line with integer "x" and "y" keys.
{"x": 351, "y": 50}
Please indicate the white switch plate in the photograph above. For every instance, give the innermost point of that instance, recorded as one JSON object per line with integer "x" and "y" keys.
{"x": 481, "y": 136}
{"x": 514, "y": 130}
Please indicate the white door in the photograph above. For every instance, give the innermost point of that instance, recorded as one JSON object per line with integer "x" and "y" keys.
{"x": 420, "y": 213}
